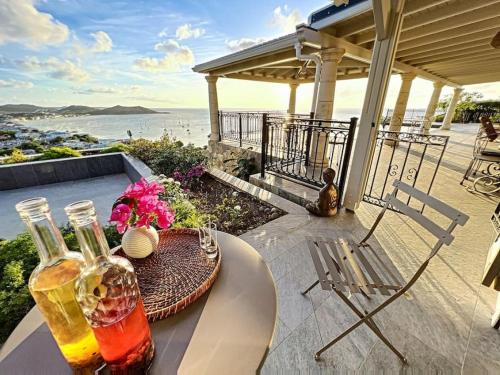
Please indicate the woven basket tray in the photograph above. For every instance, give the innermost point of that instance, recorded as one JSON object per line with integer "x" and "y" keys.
{"x": 175, "y": 275}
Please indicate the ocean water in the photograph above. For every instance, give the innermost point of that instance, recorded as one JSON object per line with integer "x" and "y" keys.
{"x": 187, "y": 125}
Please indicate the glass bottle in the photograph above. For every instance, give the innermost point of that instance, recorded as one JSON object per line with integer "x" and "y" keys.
{"x": 52, "y": 285}
{"x": 109, "y": 295}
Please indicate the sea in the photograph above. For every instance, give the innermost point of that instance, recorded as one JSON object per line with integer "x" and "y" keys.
{"x": 187, "y": 125}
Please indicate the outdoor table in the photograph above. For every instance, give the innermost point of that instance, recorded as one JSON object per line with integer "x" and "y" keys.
{"x": 228, "y": 330}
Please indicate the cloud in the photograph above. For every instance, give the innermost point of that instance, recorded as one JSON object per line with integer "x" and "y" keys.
{"x": 176, "y": 56}
{"x": 186, "y": 32}
{"x": 239, "y": 44}
{"x": 102, "y": 43}
{"x": 59, "y": 69}
{"x": 117, "y": 90}
{"x": 12, "y": 83}
{"x": 285, "y": 19}
{"x": 21, "y": 22}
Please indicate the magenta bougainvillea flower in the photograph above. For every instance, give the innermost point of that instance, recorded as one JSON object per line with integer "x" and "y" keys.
{"x": 140, "y": 206}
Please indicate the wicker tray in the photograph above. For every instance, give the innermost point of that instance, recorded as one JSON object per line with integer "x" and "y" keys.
{"x": 175, "y": 275}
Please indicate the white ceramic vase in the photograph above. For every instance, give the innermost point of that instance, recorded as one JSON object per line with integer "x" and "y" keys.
{"x": 140, "y": 242}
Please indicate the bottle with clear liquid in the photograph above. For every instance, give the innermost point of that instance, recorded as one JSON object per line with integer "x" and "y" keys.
{"x": 108, "y": 292}
{"x": 52, "y": 285}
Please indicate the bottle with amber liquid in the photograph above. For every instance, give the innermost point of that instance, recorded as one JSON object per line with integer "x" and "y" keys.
{"x": 52, "y": 285}
{"x": 108, "y": 293}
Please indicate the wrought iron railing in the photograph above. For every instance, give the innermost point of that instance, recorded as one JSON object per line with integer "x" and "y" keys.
{"x": 409, "y": 157}
{"x": 244, "y": 128}
{"x": 301, "y": 148}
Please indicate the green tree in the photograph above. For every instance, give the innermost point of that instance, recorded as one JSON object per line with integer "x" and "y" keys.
{"x": 468, "y": 101}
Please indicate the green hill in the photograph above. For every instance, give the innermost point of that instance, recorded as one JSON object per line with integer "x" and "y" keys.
{"x": 120, "y": 110}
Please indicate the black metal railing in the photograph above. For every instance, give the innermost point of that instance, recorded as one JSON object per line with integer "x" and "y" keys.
{"x": 244, "y": 128}
{"x": 300, "y": 148}
{"x": 410, "y": 157}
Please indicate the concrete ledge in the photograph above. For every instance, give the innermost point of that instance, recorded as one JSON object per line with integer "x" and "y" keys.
{"x": 289, "y": 190}
{"x": 22, "y": 175}
{"x": 257, "y": 192}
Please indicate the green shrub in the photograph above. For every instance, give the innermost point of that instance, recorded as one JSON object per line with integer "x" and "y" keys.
{"x": 32, "y": 145}
{"x": 16, "y": 156}
{"x": 85, "y": 138}
{"x": 5, "y": 152}
{"x": 186, "y": 214}
{"x": 59, "y": 152}
{"x": 56, "y": 140}
{"x": 166, "y": 155}
{"x": 119, "y": 147}
{"x": 10, "y": 133}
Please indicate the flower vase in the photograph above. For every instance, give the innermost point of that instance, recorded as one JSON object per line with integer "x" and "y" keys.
{"x": 140, "y": 242}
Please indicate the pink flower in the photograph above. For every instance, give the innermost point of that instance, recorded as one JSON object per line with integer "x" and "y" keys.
{"x": 144, "y": 221}
{"x": 140, "y": 205}
{"x": 164, "y": 215}
{"x": 120, "y": 215}
{"x": 142, "y": 188}
{"x": 146, "y": 204}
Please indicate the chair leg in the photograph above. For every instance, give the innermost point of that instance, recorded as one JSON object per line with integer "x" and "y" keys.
{"x": 367, "y": 319}
{"x": 311, "y": 287}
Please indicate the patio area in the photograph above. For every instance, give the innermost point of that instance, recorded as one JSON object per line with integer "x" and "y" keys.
{"x": 442, "y": 325}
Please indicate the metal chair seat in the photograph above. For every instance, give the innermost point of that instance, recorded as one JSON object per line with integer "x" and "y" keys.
{"x": 343, "y": 265}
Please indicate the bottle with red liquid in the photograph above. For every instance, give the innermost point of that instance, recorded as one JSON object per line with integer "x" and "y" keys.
{"x": 108, "y": 293}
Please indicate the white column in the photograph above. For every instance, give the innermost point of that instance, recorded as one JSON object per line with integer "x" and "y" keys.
{"x": 450, "y": 112}
{"x": 431, "y": 107}
{"x": 293, "y": 97}
{"x": 384, "y": 52}
{"x": 213, "y": 105}
{"x": 331, "y": 57}
{"x": 400, "y": 108}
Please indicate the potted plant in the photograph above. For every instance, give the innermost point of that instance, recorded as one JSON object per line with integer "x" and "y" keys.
{"x": 136, "y": 213}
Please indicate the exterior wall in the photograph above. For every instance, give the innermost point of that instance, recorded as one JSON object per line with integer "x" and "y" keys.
{"x": 16, "y": 176}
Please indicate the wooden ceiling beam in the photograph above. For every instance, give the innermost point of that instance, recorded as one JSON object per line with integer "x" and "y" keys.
{"x": 460, "y": 33}
{"x": 452, "y": 42}
{"x": 454, "y": 24}
{"x": 493, "y": 56}
{"x": 477, "y": 78}
{"x": 459, "y": 48}
{"x": 449, "y": 55}
{"x": 365, "y": 22}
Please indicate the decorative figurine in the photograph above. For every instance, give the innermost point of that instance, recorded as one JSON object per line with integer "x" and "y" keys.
{"x": 326, "y": 205}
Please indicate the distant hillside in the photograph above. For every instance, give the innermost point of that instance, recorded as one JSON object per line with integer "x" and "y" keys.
{"x": 22, "y": 108}
{"x": 120, "y": 110}
{"x": 76, "y": 109}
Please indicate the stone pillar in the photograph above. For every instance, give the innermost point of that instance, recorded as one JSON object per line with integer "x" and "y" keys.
{"x": 330, "y": 57}
{"x": 450, "y": 112}
{"x": 213, "y": 106}
{"x": 400, "y": 108}
{"x": 431, "y": 107}
{"x": 293, "y": 97}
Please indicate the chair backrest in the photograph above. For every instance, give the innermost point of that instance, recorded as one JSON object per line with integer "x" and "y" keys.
{"x": 443, "y": 236}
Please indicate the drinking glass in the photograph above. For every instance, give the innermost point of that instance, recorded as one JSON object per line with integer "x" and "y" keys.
{"x": 213, "y": 245}
{"x": 204, "y": 236}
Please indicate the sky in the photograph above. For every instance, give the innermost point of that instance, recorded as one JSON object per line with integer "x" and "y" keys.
{"x": 104, "y": 53}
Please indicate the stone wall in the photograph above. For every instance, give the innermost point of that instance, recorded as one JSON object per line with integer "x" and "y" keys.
{"x": 21, "y": 175}
{"x": 221, "y": 152}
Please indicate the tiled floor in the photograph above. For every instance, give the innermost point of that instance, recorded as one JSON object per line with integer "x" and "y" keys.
{"x": 101, "y": 190}
{"x": 442, "y": 326}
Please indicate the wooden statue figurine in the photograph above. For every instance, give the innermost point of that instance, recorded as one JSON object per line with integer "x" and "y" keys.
{"x": 326, "y": 205}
